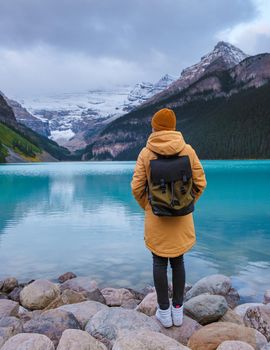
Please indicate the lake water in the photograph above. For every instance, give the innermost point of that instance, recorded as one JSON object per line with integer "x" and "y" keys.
{"x": 81, "y": 217}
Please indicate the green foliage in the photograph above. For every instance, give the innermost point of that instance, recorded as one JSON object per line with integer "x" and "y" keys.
{"x": 18, "y": 143}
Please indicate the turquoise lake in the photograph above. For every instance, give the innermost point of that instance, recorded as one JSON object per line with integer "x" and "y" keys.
{"x": 81, "y": 217}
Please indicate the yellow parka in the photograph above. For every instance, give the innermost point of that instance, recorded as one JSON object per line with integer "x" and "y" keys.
{"x": 166, "y": 236}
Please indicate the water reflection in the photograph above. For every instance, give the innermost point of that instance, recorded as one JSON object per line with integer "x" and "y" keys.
{"x": 82, "y": 217}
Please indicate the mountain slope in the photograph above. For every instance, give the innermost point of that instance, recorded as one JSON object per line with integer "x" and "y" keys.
{"x": 224, "y": 114}
{"x": 19, "y": 143}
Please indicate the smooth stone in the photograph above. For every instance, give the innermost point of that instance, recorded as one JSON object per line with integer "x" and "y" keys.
{"x": 266, "y": 347}
{"x": 213, "y": 284}
{"x": 28, "y": 341}
{"x": 67, "y": 297}
{"x": 84, "y": 311}
{"x": 15, "y": 294}
{"x": 148, "y": 305}
{"x": 73, "y": 339}
{"x": 212, "y": 335}
{"x": 258, "y": 317}
{"x": 39, "y": 294}
{"x": 232, "y": 298}
{"x": 242, "y": 308}
{"x": 108, "y": 324}
{"x": 234, "y": 345}
{"x": 182, "y": 333}
{"x": 206, "y": 308}
{"x": 9, "y": 284}
{"x": 66, "y": 276}
{"x": 116, "y": 296}
{"x": 85, "y": 285}
{"x": 266, "y": 297}
{"x": 138, "y": 295}
{"x": 52, "y": 323}
{"x": 146, "y": 340}
{"x": 12, "y": 322}
{"x": 8, "y": 308}
{"x": 131, "y": 304}
{"x": 231, "y": 316}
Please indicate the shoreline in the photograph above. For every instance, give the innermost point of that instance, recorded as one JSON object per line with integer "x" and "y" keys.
{"x": 76, "y": 308}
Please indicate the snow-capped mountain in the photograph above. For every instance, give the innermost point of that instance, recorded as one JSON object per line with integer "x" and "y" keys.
{"x": 74, "y": 118}
{"x": 224, "y": 56}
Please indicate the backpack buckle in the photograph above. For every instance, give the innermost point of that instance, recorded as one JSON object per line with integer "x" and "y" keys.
{"x": 163, "y": 185}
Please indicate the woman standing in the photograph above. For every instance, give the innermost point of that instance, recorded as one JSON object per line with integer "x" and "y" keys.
{"x": 167, "y": 237}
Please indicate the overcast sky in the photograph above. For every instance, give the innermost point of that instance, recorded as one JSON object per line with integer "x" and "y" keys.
{"x": 49, "y": 46}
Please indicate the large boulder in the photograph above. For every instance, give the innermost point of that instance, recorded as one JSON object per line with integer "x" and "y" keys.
{"x": 183, "y": 333}
{"x": 8, "y": 308}
{"x": 25, "y": 341}
{"x": 242, "y": 308}
{"x": 258, "y": 317}
{"x": 9, "y": 284}
{"x": 213, "y": 284}
{"x": 116, "y": 296}
{"x": 231, "y": 316}
{"x": 234, "y": 345}
{"x": 52, "y": 323}
{"x": 39, "y": 294}
{"x": 73, "y": 339}
{"x": 206, "y": 308}
{"x": 110, "y": 323}
{"x": 86, "y": 285}
{"x": 84, "y": 311}
{"x": 212, "y": 335}
{"x": 67, "y": 297}
{"x": 146, "y": 340}
{"x": 148, "y": 305}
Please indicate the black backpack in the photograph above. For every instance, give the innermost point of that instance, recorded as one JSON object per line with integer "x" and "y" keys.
{"x": 170, "y": 191}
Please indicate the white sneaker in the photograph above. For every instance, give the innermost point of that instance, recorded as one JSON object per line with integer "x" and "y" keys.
{"x": 177, "y": 315}
{"x": 164, "y": 316}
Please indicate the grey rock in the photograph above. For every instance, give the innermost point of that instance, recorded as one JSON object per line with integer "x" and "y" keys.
{"x": 12, "y": 322}
{"x": 8, "y": 308}
{"x": 9, "y": 284}
{"x": 234, "y": 345}
{"x": 66, "y": 276}
{"x": 24, "y": 341}
{"x": 183, "y": 333}
{"x": 116, "y": 296}
{"x": 213, "y": 284}
{"x": 146, "y": 340}
{"x": 206, "y": 308}
{"x": 258, "y": 317}
{"x": 15, "y": 294}
{"x": 232, "y": 298}
{"x": 52, "y": 323}
{"x": 242, "y": 308}
{"x": 86, "y": 285}
{"x": 74, "y": 339}
{"x": 148, "y": 305}
{"x": 106, "y": 325}
{"x": 84, "y": 311}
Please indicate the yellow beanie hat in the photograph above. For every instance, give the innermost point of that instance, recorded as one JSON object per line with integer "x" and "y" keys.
{"x": 164, "y": 119}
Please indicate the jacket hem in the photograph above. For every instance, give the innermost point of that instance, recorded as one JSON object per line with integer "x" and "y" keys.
{"x": 169, "y": 255}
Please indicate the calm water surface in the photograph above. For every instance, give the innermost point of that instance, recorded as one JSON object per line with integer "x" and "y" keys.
{"x": 56, "y": 217}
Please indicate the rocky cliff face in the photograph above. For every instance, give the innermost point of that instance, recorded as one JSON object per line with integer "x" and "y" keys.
{"x": 216, "y": 97}
{"x": 6, "y": 113}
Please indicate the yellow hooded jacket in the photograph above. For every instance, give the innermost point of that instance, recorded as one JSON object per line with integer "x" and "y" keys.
{"x": 166, "y": 236}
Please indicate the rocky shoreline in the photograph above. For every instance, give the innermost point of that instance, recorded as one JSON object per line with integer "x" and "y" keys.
{"x": 75, "y": 314}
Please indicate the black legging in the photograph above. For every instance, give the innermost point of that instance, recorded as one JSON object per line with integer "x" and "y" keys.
{"x": 161, "y": 280}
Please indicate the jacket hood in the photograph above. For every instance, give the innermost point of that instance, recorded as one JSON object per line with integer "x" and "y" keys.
{"x": 166, "y": 142}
